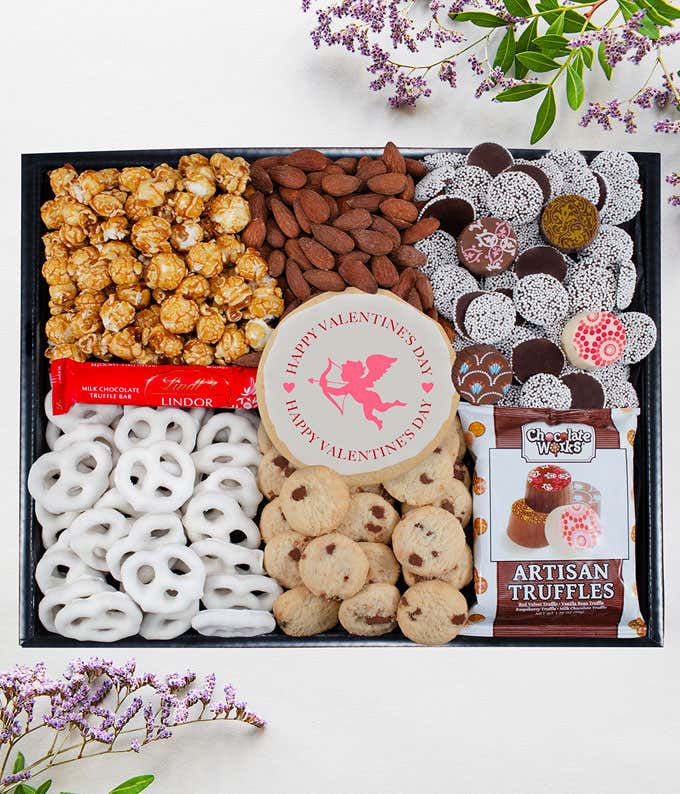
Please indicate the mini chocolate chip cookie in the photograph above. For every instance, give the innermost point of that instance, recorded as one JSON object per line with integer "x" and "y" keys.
{"x": 272, "y": 520}
{"x": 425, "y": 482}
{"x": 458, "y": 576}
{"x": 371, "y": 612}
{"x": 263, "y": 440}
{"x": 450, "y": 441}
{"x": 300, "y": 613}
{"x": 370, "y": 517}
{"x": 431, "y": 613}
{"x": 282, "y": 557}
{"x": 382, "y": 564}
{"x": 314, "y": 500}
{"x": 462, "y": 443}
{"x": 333, "y": 566}
{"x": 456, "y": 499}
{"x": 462, "y": 473}
{"x": 428, "y": 541}
{"x": 273, "y": 471}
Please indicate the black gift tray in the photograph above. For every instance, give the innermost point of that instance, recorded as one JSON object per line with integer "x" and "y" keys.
{"x": 645, "y": 231}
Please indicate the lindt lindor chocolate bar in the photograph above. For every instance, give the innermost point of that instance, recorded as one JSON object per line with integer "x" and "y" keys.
{"x": 156, "y": 385}
{"x": 554, "y": 522}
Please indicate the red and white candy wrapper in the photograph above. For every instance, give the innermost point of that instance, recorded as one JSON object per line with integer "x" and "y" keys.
{"x": 155, "y": 385}
{"x": 554, "y": 522}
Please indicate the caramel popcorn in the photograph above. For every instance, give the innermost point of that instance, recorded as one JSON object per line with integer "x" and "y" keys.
{"x": 231, "y": 175}
{"x": 232, "y": 345}
{"x": 146, "y": 264}
{"x": 165, "y": 271}
{"x": 116, "y": 314}
{"x": 179, "y": 315}
{"x": 205, "y": 258}
{"x": 229, "y": 213}
{"x": 150, "y": 235}
{"x": 197, "y": 352}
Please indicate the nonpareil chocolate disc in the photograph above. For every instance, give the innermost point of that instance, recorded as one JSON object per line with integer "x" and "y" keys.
{"x": 534, "y": 356}
{"x": 453, "y": 212}
{"x": 541, "y": 259}
{"x": 586, "y": 391}
{"x": 492, "y": 157}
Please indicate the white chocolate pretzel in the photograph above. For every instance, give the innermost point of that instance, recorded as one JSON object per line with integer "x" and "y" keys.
{"x": 102, "y": 617}
{"x": 214, "y": 514}
{"x": 145, "y": 426}
{"x": 93, "y": 533}
{"x": 147, "y": 533}
{"x": 155, "y": 479}
{"x": 218, "y": 556}
{"x": 233, "y": 622}
{"x": 246, "y": 591}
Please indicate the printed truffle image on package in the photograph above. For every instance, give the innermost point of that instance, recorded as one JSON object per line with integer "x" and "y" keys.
{"x": 554, "y": 522}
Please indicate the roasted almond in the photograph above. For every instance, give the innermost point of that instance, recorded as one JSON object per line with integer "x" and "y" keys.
{"x": 268, "y": 161}
{"x": 384, "y": 271}
{"x": 333, "y": 168}
{"x": 353, "y": 219}
{"x": 314, "y": 179}
{"x": 301, "y": 216}
{"x": 276, "y": 262}
{"x": 415, "y": 168}
{"x": 448, "y": 329}
{"x": 332, "y": 207}
{"x": 340, "y": 184}
{"x": 254, "y": 234}
{"x": 367, "y": 201}
{"x": 287, "y": 176}
{"x": 424, "y": 288}
{"x": 275, "y": 237}
{"x": 307, "y": 160}
{"x": 334, "y": 239}
{"x": 399, "y": 210}
{"x": 383, "y": 226}
{"x": 314, "y": 206}
{"x": 348, "y": 164}
{"x": 420, "y": 230}
{"x": 284, "y": 217}
{"x": 372, "y": 242}
{"x": 294, "y": 251}
{"x": 258, "y": 206}
{"x": 356, "y": 274}
{"x": 406, "y": 282}
{"x": 362, "y": 256}
{"x": 434, "y": 315}
{"x": 317, "y": 254}
{"x": 325, "y": 280}
{"x": 408, "y": 256}
{"x": 386, "y": 184}
{"x": 414, "y": 299}
{"x": 393, "y": 158}
{"x": 288, "y": 194}
{"x": 409, "y": 192}
{"x": 260, "y": 179}
{"x": 371, "y": 168}
{"x": 296, "y": 281}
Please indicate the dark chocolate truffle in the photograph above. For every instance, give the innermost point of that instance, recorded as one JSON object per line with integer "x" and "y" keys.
{"x": 534, "y": 356}
{"x": 570, "y": 222}
{"x": 541, "y": 259}
{"x": 481, "y": 374}
{"x": 487, "y": 246}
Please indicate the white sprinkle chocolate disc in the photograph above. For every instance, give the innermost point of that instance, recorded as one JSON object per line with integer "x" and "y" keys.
{"x": 357, "y": 382}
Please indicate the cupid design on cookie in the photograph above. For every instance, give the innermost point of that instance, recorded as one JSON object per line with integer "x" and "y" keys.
{"x": 357, "y": 382}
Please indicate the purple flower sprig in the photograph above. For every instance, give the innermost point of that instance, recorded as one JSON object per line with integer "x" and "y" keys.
{"x": 95, "y": 708}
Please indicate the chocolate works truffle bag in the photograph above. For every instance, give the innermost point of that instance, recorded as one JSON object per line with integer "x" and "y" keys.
{"x": 554, "y": 522}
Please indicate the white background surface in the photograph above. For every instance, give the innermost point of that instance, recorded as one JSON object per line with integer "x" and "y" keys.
{"x": 108, "y": 75}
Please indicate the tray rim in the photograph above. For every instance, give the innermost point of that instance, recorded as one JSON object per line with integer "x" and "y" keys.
{"x": 33, "y": 169}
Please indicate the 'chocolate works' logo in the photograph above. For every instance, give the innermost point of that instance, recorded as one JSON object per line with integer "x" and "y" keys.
{"x": 557, "y": 442}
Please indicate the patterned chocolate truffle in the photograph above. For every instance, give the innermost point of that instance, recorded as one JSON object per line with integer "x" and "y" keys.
{"x": 534, "y": 356}
{"x": 481, "y": 375}
{"x": 516, "y": 197}
{"x": 526, "y": 527}
{"x": 593, "y": 339}
{"x": 541, "y": 259}
{"x": 547, "y": 487}
{"x": 570, "y": 222}
{"x": 487, "y": 246}
{"x": 586, "y": 390}
{"x": 453, "y": 212}
{"x": 492, "y": 157}
{"x": 545, "y": 391}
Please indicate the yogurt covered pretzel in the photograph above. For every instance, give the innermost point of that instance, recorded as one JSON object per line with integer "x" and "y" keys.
{"x": 147, "y": 477}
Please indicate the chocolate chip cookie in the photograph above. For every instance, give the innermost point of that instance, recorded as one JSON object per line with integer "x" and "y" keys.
{"x": 458, "y": 576}
{"x": 273, "y": 471}
{"x": 333, "y": 566}
{"x": 370, "y": 517}
{"x": 456, "y": 499}
{"x": 371, "y": 612}
{"x": 314, "y": 500}
{"x": 424, "y": 483}
{"x": 282, "y": 557}
{"x": 428, "y": 541}
{"x": 382, "y": 564}
{"x": 300, "y": 613}
{"x": 272, "y": 520}
{"x": 431, "y": 613}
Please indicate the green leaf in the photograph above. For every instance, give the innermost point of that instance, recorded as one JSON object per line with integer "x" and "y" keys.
{"x": 656, "y": 16}
{"x": 19, "y": 763}
{"x": 553, "y": 46}
{"x": 556, "y": 28}
{"x": 518, "y": 8}
{"x": 43, "y": 787}
{"x": 545, "y": 117}
{"x": 524, "y": 43}
{"x": 578, "y": 64}
{"x": 519, "y": 92}
{"x": 575, "y": 88}
{"x": 587, "y": 55}
{"x": 506, "y": 51}
{"x": 606, "y": 68}
{"x": 133, "y": 785}
{"x": 24, "y": 788}
{"x": 647, "y": 27}
{"x": 537, "y": 61}
{"x": 668, "y": 10}
{"x": 480, "y": 18}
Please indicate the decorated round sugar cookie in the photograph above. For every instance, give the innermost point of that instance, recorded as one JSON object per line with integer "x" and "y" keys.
{"x": 357, "y": 382}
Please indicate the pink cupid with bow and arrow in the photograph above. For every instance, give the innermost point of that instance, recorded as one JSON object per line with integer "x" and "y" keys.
{"x": 356, "y": 380}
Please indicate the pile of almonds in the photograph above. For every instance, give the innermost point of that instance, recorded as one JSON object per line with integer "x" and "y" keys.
{"x": 325, "y": 225}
